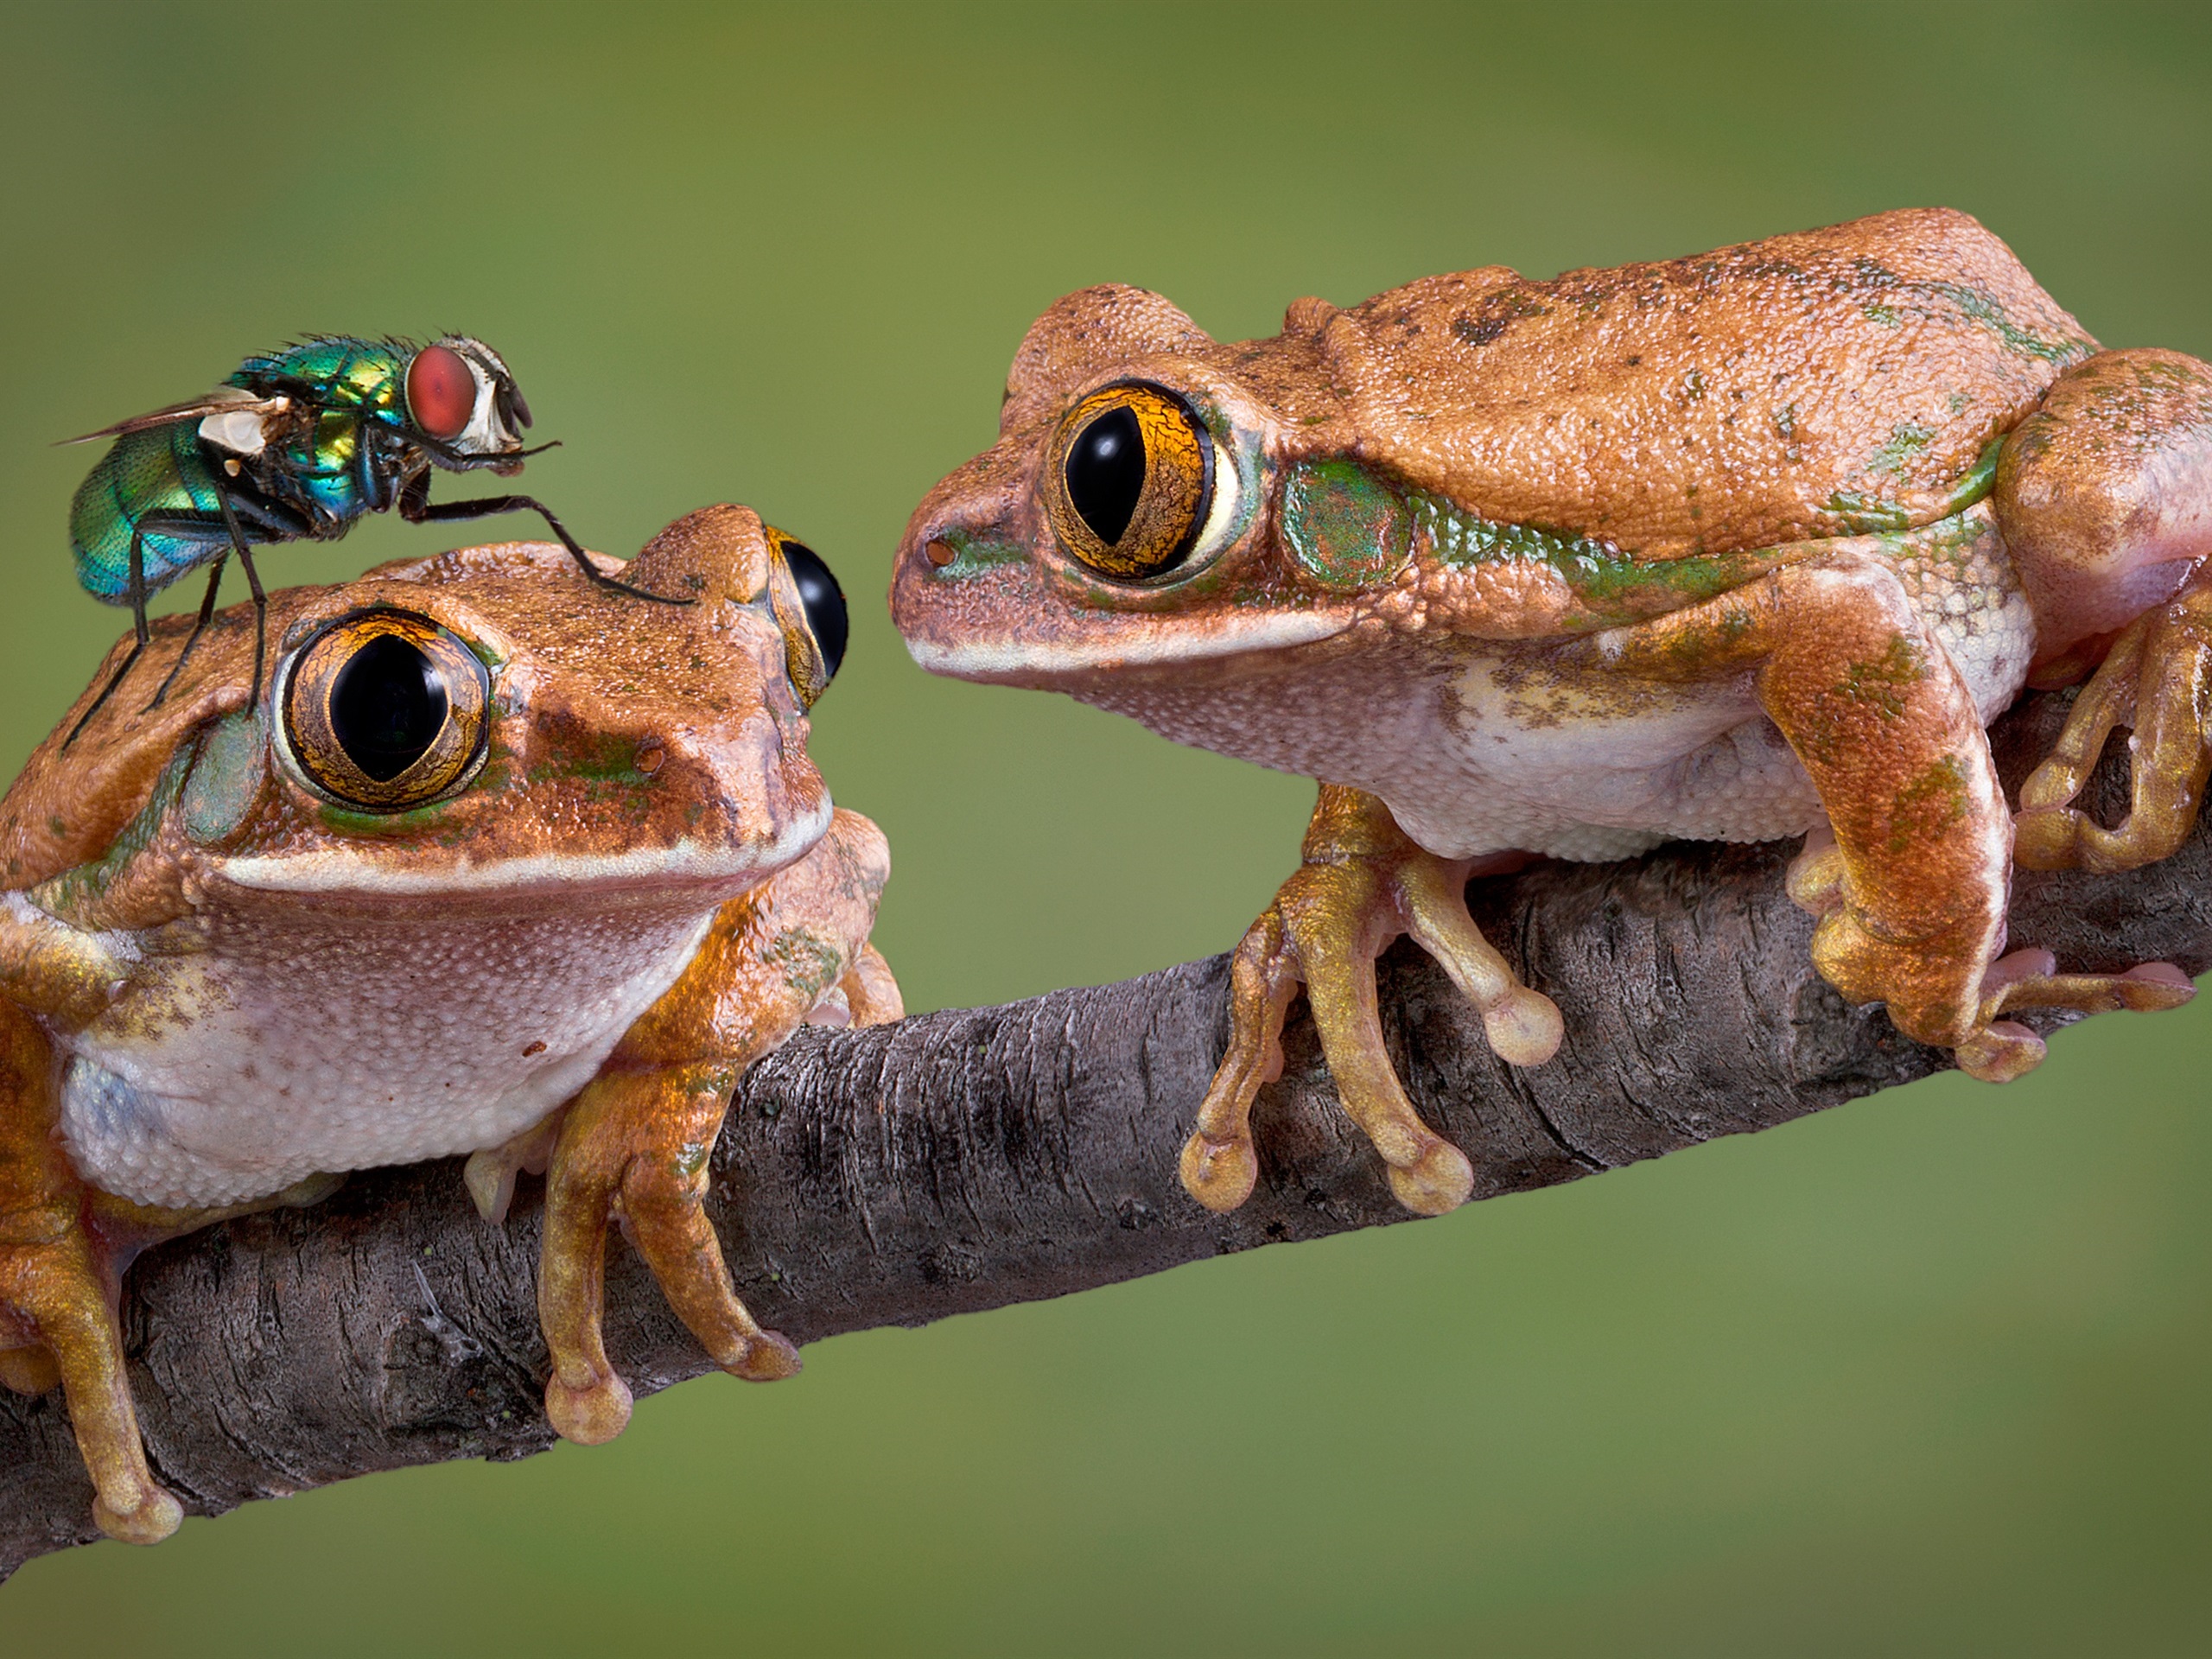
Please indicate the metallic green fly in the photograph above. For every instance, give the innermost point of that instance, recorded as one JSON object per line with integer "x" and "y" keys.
{"x": 296, "y": 446}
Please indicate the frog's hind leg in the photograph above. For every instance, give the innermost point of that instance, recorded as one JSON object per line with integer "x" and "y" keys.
{"x": 1364, "y": 882}
{"x": 1911, "y": 890}
{"x": 58, "y": 1291}
{"x": 2105, "y": 498}
{"x": 2158, "y": 681}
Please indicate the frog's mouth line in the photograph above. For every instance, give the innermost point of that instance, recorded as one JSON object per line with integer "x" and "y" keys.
{"x": 686, "y": 864}
{"x": 1181, "y": 642}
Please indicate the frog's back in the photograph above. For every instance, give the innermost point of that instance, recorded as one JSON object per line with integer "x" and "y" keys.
{"x": 1826, "y": 383}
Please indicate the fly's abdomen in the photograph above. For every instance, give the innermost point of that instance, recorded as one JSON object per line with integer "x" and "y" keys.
{"x": 155, "y": 485}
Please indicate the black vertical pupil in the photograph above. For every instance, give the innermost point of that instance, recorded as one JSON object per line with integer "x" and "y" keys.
{"x": 1105, "y": 473}
{"x": 824, "y": 601}
{"x": 387, "y": 706}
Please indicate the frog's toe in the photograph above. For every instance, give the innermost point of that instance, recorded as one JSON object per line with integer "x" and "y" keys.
{"x": 2005, "y": 1049}
{"x": 1437, "y": 1182}
{"x": 637, "y": 1143}
{"x": 2156, "y": 681}
{"x": 1364, "y": 882}
{"x": 1219, "y": 1167}
{"x": 1524, "y": 1027}
{"x": 30, "y": 1371}
{"x": 1220, "y": 1174}
{"x": 663, "y": 1204}
{"x": 589, "y": 1414}
{"x": 154, "y": 1516}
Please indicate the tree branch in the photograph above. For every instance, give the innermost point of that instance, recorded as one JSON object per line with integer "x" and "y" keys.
{"x": 972, "y": 1157}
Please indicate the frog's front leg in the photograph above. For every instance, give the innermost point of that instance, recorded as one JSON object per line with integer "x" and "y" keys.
{"x": 635, "y": 1144}
{"x": 1912, "y": 892}
{"x": 1364, "y": 882}
{"x": 59, "y": 1283}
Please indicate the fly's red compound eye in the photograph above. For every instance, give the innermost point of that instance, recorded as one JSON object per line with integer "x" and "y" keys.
{"x": 441, "y": 391}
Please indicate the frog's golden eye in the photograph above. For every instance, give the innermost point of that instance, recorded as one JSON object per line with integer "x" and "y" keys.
{"x": 1129, "y": 481}
{"x": 385, "y": 709}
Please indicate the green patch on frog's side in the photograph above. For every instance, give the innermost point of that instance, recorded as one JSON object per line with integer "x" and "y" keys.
{"x": 1932, "y": 801}
{"x": 1880, "y": 682}
{"x": 1977, "y": 305}
{"x": 1905, "y": 441}
{"x": 1348, "y": 528}
{"x": 72, "y": 894}
{"x": 1617, "y": 586}
{"x": 1985, "y": 310}
{"x": 1954, "y": 541}
{"x": 226, "y": 776}
{"x": 809, "y": 964}
{"x": 974, "y": 555}
{"x": 1863, "y": 515}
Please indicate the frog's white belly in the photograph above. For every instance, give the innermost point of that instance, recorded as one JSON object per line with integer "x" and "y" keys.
{"x": 257, "y": 1050}
{"x": 1479, "y": 747}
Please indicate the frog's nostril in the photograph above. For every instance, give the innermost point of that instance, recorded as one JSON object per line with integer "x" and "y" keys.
{"x": 939, "y": 552}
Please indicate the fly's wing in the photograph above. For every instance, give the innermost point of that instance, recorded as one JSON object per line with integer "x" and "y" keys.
{"x": 226, "y": 401}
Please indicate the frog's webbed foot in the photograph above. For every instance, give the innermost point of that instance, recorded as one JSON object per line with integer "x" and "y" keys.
{"x": 2155, "y": 680}
{"x": 1984, "y": 1045}
{"x": 1364, "y": 882}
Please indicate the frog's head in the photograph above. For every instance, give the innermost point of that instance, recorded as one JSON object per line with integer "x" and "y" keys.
{"x": 1131, "y": 513}
{"x": 482, "y": 727}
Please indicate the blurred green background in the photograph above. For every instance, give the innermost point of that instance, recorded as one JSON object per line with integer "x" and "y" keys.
{"x": 1927, "y": 1374}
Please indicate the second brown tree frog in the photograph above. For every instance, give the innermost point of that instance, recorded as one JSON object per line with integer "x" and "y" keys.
{"x": 1738, "y": 547}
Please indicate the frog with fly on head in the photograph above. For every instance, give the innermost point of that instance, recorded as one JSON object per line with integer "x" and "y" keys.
{"x": 486, "y": 866}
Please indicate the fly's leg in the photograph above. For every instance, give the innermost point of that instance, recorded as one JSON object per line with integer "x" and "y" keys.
{"x": 1911, "y": 894}
{"x": 199, "y": 627}
{"x": 1364, "y": 882}
{"x": 415, "y": 507}
{"x": 217, "y": 532}
{"x": 138, "y": 626}
{"x": 58, "y": 1291}
{"x": 260, "y": 616}
{"x": 634, "y": 1147}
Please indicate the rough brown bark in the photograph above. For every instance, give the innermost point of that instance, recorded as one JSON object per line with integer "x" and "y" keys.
{"x": 976, "y": 1157}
